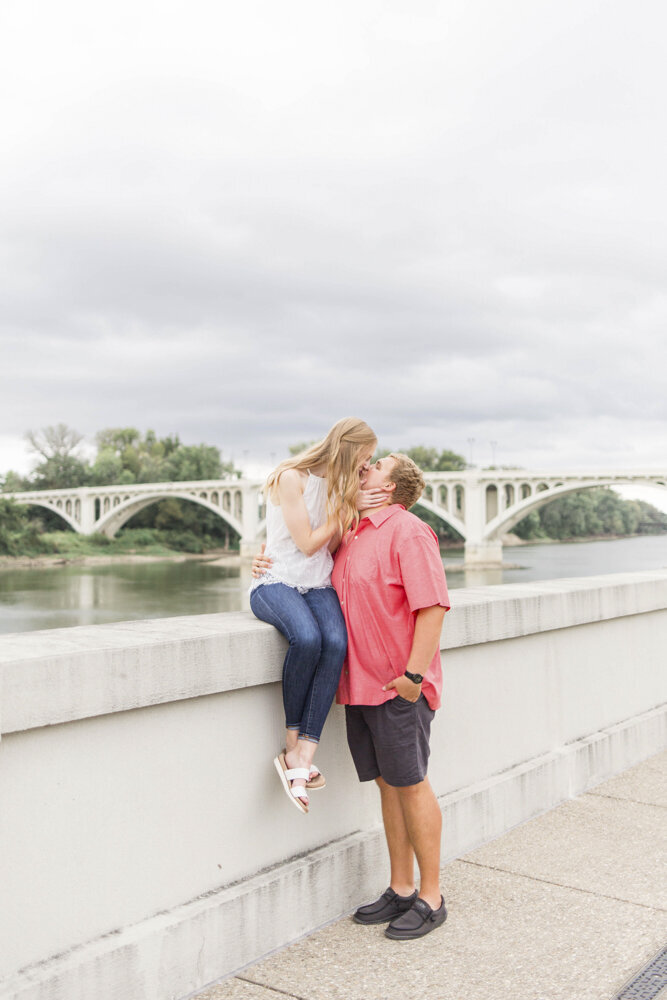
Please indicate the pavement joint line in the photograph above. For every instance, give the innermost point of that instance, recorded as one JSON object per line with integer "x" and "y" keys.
{"x": 620, "y": 798}
{"x": 273, "y": 989}
{"x": 562, "y": 885}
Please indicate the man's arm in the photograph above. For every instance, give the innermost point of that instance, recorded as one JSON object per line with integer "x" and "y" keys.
{"x": 425, "y": 643}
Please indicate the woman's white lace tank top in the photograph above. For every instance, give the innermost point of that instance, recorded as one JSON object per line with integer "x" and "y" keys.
{"x": 290, "y": 565}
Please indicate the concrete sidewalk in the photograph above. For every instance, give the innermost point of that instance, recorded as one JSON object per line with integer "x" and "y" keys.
{"x": 568, "y": 906}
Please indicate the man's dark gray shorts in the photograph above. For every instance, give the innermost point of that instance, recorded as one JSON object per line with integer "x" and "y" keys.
{"x": 391, "y": 740}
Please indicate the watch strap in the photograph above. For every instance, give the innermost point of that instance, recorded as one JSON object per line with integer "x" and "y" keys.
{"x": 415, "y": 678}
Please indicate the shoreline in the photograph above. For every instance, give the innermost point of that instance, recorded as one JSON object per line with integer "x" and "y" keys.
{"x": 222, "y": 557}
{"x": 513, "y": 541}
{"x": 57, "y": 561}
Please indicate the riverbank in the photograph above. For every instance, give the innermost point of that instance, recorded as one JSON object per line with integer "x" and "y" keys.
{"x": 79, "y": 550}
{"x": 215, "y": 557}
{"x": 513, "y": 541}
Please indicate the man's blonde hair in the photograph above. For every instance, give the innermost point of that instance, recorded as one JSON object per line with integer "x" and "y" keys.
{"x": 408, "y": 478}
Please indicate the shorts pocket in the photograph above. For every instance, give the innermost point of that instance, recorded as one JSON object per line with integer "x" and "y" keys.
{"x": 404, "y": 701}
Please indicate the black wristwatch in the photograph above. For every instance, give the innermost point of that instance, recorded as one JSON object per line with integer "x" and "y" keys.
{"x": 415, "y": 678}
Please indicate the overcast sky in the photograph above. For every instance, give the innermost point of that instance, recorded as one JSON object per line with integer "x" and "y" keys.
{"x": 241, "y": 221}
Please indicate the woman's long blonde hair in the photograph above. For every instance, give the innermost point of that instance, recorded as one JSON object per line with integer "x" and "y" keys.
{"x": 340, "y": 450}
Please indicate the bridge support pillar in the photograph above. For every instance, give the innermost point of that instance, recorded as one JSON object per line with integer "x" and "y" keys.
{"x": 249, "y": 543}
{"x": 87, "y": 515}
{"x": 247, "y": 549}
{"x": 483, "y": 553}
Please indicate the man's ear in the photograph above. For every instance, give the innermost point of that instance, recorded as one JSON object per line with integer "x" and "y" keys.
{"x": 389, "y": 486}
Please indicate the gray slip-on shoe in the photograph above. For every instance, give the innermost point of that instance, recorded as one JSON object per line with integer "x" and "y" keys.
{"x": 387, "y": 907}
{"x": 420, "y": 919}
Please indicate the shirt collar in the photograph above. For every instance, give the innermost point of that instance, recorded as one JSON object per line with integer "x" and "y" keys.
{"x": 378, "y": 517}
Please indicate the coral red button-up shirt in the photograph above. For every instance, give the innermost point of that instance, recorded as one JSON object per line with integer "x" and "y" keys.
{"x": 384, "y": 572}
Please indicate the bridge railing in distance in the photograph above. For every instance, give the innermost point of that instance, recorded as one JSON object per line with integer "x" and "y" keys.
{"x": 146, "y": 847}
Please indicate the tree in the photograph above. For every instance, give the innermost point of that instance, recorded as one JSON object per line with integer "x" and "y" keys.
{"x": 590, "y": 513}
{"x": 12, "y": 482}
{"x": 651, "y": 520}
{"x": 117, "y": 439}
{"x": 428, "y": 459}
{"x": 61, "y": 472}
{"x": 54, "y": 442}
{"x": 530, "y": 527}
{"x": 108, "y": 469}
{"x": 18, "y": 536}
{"x": 425, "y": 458}
{"x": 125, "y": 457}
{"x": 12, "y": 515}
{"x": 443, "y": 530}
{"x": 62, "y": 466}
{"x": 200, "y": 461}
{"x": 450, "y": 461}
{"x": 120, "y": 455}
{"x": 296, "y": 449}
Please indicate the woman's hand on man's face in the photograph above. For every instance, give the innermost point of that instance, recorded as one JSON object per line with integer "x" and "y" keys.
{"x": 260, "y": 563}
{"x": 370, "y": 498}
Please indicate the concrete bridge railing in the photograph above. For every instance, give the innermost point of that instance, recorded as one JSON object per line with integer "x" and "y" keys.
{"x": 146, "y": 848}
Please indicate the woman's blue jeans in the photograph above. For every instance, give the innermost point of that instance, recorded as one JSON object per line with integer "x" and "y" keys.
{"x": 313, "y": 625}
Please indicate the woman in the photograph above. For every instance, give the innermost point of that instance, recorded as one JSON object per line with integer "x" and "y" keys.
{"x": 311, "y": 499}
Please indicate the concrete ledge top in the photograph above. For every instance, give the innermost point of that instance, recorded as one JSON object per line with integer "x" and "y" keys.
{"x": 59, "y": 675}
{"x": 488, "y": 614}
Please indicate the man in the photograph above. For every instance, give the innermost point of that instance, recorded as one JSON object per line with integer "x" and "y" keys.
{"x": 391, "y": 585}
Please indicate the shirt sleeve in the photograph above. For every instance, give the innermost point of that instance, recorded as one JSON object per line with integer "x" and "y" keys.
{"x": 422, "y": 572}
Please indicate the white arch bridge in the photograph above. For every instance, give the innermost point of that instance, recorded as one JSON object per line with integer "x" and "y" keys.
{"x": 480, "y": 504}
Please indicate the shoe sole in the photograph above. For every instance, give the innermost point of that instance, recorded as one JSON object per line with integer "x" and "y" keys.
{"x": 317, "y": 783}
{"x": 413, "y": 935}
{"x": 287, "y": 787}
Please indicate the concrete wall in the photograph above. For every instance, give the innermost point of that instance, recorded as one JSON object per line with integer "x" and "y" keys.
{"x": 146, "y": 847}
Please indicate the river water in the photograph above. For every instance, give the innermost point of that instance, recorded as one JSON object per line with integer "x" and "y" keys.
{"x": 61, "y": 596}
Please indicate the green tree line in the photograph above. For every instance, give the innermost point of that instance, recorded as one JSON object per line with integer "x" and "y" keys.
{"x": 591, "y": 513}
{"x": 123, "y": 456}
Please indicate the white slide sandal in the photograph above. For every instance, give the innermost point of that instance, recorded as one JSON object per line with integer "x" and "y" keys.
{"x": 297, "y": 794}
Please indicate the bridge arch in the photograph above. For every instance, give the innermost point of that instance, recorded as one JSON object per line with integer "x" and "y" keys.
{"x": 544, "y": 494}
{"x": 53, "y": 509}
{"x": 449, "y": 519}
{"x": 111, "y": 521}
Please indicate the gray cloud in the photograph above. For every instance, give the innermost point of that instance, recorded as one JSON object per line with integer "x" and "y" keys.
{"x": 240, "y": 224}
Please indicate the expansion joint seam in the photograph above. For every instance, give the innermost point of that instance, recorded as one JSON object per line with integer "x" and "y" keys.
{"x": 271, "y": 989}
{"x": 562, "y": 885}
{"x": 621, "y": 798}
